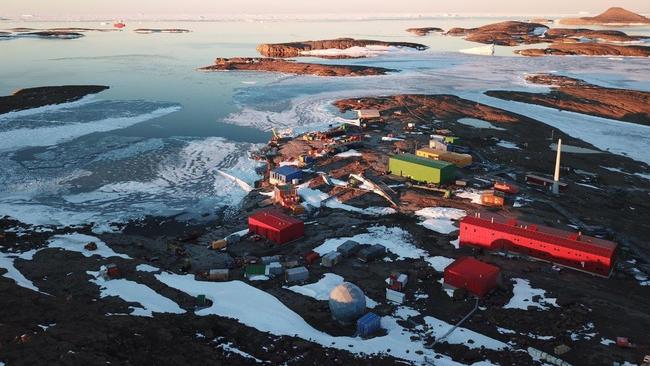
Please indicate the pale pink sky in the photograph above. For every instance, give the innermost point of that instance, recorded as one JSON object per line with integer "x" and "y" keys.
{"x": 99, "y": 7}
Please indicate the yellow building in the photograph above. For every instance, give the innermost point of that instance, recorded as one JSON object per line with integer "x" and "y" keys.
{"x": 460, "y": 160}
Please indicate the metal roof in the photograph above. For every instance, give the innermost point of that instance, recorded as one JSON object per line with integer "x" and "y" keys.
{"x": 410, "y": 158}
{"x": 287, "y": 170}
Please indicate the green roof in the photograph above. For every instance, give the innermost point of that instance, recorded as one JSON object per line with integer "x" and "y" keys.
{"x": 438, "y": 164}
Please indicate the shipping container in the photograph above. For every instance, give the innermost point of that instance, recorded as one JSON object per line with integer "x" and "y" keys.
{"x": 476, "y": 277}
{"x": 369, "y": 254}
{"x": 492, "y": 199}
{"x": 395, "y": 296}
{"x": 349, "y": 248}
{"x": 570, "y": 249}
{"x": 397, "y": 281}
{"x": 112, "y": 271}
{"x": 218, "y": 275}
{"x": 368, "y": 325}
{"x": 274, "y": 269}
{"x": 544, "y": 182}
{"x": 506, "y": 187}
{"x": 298, "y": 274}
{"x": 255, "y": 270}
{"x": 460, "y": 160}
{"x": 451, "y": 139}
{"x": 458, "y": 149}
{"x": 421, "y": 169}
{"x": 311, "y": 257}
{"x": 276, "y": 226}
{"x": 331, "y": 259}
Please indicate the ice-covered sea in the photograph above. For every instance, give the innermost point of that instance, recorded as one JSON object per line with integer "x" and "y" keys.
{"x": 169, "y": 140}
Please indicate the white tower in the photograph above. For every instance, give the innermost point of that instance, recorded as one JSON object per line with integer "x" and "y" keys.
{"x": 556, "y": 177}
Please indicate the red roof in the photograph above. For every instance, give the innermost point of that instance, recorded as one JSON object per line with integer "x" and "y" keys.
{"x": 544, "y": 233}
{"x": 469, "y": 267}
{"x": 274, "y": 218}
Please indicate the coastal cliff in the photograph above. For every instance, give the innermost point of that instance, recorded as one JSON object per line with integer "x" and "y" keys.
{"x": 296, "y": 49}
{"x": 292, "y": 67}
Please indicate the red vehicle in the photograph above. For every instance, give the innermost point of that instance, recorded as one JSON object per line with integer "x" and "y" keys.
{"x": 276, "y": 226}
{"x": 119, "y": 25}
{"x": 565, "y": 248}
{"x": 476, "y": 277}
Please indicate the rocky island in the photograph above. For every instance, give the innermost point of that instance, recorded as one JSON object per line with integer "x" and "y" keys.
{"x": 292, "y": 67}
{"x": 612, "y": 16}
{"x": 509, "y": 33}
{"x": 297, "y": 49}
{"x": 587, "y": 49}
{"x": 46, "y": 95}
{"x": 576, "y": 95}
{"x": 424, "y": 31}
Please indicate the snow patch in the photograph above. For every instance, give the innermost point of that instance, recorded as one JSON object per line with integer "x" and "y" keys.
{"x": 440, "y": 219}
{"x": 75, "y": 242}
{"x": 523, "y": 296}
{"x": 149, "y": 300}
{"x": 321, "y": 290}
{"x": 478, "y": 123}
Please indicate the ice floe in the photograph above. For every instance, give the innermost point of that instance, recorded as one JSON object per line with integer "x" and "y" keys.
{"x": 41, "y": 131}
{"x": 149, "y": 300}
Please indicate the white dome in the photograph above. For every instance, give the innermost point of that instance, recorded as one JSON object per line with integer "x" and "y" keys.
{"x": 347, "y": 302}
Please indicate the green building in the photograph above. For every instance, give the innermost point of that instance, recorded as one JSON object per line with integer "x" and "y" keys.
{"x": 422, "y": 169}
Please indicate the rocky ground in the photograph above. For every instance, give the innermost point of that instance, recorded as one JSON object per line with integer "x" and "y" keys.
{"x": 68, "y": 323}
{"x": 576, "y": 95}
{"x": 293, "y": 67}
{"x": 46, "y": 95}
{"x": 563, "y": 41}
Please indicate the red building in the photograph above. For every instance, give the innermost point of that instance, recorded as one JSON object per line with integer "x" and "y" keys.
{"x": 476, "y": 277}
{"x": 276, "y": 226}
{"x": 565, "y": 248}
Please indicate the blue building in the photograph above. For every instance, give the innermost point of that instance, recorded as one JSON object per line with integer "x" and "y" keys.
{"x": 285, "y": 175}
{"x": 368, "y": 324}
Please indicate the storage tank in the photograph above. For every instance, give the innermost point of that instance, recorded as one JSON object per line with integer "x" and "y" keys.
{"x": 347, "y": 302}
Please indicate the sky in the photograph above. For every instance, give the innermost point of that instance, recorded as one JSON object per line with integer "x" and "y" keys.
{"x": 110, "y": 7}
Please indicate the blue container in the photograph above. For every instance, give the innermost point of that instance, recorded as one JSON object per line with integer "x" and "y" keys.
{"x": 368, "y": 324}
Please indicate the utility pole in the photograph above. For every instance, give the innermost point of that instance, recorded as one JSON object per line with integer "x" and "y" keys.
{"x": 556, "y": 177}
